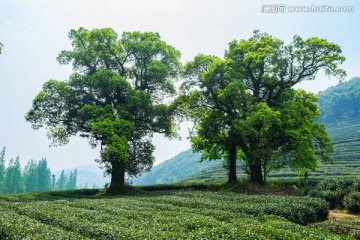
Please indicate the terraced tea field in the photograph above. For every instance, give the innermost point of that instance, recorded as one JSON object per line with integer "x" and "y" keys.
{"x": 346, "y": 138}
{"x": 161, "y": 215}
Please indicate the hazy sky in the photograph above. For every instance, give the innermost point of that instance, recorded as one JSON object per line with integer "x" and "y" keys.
{"x": 34, "y": 32}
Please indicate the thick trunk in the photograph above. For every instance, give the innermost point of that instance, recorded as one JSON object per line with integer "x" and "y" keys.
{"x": 117, "y": 184}
{"x": 255, "y": 171}
{"x": 232, "y": 165}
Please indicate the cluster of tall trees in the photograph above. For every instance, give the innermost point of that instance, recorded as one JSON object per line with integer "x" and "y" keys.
{"x": 35, "y": 177}
{"x": 243, "y": 106}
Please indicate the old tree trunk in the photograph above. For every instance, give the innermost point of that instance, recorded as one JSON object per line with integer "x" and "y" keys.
{"x": 232, "y": 165}
{"x": 117, "y": 184}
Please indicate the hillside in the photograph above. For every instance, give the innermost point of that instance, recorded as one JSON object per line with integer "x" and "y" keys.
{"x": 179, "y": 167}
{"x": 342, "y": 124}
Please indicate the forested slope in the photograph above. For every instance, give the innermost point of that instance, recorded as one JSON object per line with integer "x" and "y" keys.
{"x": 340, "y": 103}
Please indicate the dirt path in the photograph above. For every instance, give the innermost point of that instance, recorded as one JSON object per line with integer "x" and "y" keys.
{"x": 335, "y": 215}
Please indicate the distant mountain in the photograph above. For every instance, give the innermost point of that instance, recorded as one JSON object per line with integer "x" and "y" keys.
{"x": 87, "y": 176}
{"x": 179, "y": 167}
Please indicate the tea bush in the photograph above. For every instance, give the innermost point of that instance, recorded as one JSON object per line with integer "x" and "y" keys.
{"x": 352, "y": 202}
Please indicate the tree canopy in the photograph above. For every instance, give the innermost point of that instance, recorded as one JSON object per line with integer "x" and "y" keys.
{"x": 114, "y": 98}
{"x": 244, "y": 106}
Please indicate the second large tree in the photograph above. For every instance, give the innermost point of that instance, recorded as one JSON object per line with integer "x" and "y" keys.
{"x": 244, "y": 106}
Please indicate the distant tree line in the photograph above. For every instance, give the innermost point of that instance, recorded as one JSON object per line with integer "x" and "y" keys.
{"x": 65, "y": 181}
{"x": 35, "y": 177}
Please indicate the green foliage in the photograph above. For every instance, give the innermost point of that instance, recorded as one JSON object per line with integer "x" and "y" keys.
{"x": 113, "y": 98}
{"x": 163, "y": 215}
{"x": 352, "y": 202}
{"x": 245, "y": 108}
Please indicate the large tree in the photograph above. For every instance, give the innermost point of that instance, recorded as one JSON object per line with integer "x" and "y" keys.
{"x": 244, "y": 106}
{"x": 113, "y": 98}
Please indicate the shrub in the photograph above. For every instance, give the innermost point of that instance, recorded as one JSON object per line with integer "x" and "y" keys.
{"x": 352, "y": 202}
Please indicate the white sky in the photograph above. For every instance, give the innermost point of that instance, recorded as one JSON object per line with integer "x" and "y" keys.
{"x": 35, "y": 31}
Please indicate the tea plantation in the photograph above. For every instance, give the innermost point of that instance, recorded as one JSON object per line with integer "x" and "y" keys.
{"x": 161, "y": 215}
